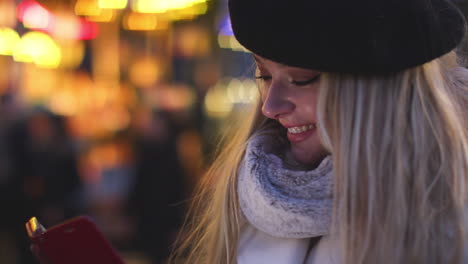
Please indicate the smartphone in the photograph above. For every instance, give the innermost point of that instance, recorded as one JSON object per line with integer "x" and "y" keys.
{"x": 76, "y": 241}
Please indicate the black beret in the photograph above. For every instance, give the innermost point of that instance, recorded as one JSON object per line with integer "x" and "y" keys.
{"x": 348, "y": 36}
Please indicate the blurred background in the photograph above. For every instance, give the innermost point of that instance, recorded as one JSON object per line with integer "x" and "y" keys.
{"x": 113, "y": 108}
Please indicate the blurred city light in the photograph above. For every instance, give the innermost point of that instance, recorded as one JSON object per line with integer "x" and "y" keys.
{"x": 188, "y": 12}
{"x": 8, "y": 13}
{"x": 241, "y": 91}
{"x": 226, "y": 39}
{"x": 163, "y": 6}
{"x": 175, "y": 97}
{"x": 87, "y": 8}
{"x": 64, "y": 25}
{"x": 68, "y": 27}
{"x": 230, "y": 42}
{"x": 33, "y": 15}
{"x": 72, "y": 53}
{"x": 217, "y": 104}
{"x": 112, "y": 4}
{"x": 88, "y": 30}
{"x": 63, "y": 102}
{"x": 38, "y": 84}
{"x": 103, "y": 15}
{"x": 38, "y": 48}
{"x": 140, "y": 21}
{"x": 225, "y": 27}
{"x": 145, "y": 72}
{"x": 150, "y": 6}
{"x": 8, "y": 41}
{"x": 193, "y": 41}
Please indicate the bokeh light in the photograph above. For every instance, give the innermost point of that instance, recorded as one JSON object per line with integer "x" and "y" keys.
{"x": 38, "y": 48}
{"x": 140, "y": 21}
{"x": 177, "y": 9}
{"x": 112, "y": 4}
{"x": 217, "y": 103}
{"x": 145, "y": 72}
{"x": 33, "y": 15}
{"x": 9, "y": 38}
{"x": 8, "y": 13}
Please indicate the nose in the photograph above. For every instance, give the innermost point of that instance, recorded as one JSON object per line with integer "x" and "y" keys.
{"x": 276, "y": 102}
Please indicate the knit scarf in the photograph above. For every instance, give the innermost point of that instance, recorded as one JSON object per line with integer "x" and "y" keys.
{"x": 281, "y": 200}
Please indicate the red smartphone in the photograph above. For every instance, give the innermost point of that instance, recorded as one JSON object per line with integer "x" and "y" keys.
{"x": 76, "y": 241}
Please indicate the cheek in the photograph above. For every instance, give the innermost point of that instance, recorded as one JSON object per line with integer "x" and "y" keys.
{"x": 307, "y": 102}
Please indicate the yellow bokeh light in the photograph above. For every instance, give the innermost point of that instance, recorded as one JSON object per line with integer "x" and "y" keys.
{"x": 189, "y": 12}
{"x": 37, "y": 84}
{"x": 104, "y": 15}
{"x": 112, "y": 4}
{"x": 140, "y": 21}
{"x": 72, "y": 53}
{"x": 224, "y": 41}
{"x": 230, "y": 42}
{"x": 150, "y": 6}
{"x": 217, "y": 103}
{"x": 87, "y": 8}
{"x": 38, "y": 48}
{"x": 200, "y": 8}
{"x": 179, "y": 4}
{"x": 145, "y": 72}
{"x": 8, "y": 40}
{"x": 162, "y": 6}
{"x": 241, "y": 91}
{"x": 235, "y": 45}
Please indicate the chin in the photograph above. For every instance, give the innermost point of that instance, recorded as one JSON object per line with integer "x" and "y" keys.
{"x": 304, "y": 156}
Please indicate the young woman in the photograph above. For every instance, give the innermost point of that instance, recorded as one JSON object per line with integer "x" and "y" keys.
{"x": 357, "y": 151}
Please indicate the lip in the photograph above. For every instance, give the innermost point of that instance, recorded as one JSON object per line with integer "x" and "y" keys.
{"x": 296, "y": 138}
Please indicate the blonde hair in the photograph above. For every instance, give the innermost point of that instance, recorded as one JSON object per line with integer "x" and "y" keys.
{"x": 400, "y": 161}
{"x": 211, "y": 232}
{"x": 400, "y": 158}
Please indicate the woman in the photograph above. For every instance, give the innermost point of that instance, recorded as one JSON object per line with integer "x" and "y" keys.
{"x": 379, "y": 83}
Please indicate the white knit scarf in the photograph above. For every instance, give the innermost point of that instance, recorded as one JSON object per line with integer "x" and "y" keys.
{"x": 281, "y": 201}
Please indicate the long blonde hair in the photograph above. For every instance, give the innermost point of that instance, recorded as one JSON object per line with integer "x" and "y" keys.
{"x": 211, "y": 232}
{"x": 400, "y": 161}
{"x": 400, "y": 157}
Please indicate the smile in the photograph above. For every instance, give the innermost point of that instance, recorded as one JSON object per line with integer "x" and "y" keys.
{"x": 300, "y": 129}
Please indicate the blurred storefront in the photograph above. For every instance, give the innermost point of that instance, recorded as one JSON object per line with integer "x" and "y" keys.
{"x": 112, "y": 108}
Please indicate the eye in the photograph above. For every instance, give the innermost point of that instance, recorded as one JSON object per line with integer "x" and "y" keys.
{"x": 263, "y": 77}
{"x": 306, "y": 82}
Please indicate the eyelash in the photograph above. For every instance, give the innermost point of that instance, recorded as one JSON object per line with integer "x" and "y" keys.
{"x": 263, "y": 77}
{"x": 306, "y": 82}
{"x": 298, "y": 83}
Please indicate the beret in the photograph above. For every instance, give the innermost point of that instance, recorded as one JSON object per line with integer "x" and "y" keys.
{"x": 348, "y": 36}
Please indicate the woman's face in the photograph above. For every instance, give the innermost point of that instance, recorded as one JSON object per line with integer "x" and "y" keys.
{"x": 289, "y": 95}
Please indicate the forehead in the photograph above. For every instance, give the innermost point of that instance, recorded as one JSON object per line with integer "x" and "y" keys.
{"x": 269, "y": 64}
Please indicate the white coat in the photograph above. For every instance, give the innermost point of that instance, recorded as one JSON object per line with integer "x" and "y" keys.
{"x": 257, "y": 247}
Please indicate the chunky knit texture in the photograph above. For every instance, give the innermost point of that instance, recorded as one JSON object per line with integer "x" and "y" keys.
{"x": 281, "y": 201}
